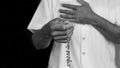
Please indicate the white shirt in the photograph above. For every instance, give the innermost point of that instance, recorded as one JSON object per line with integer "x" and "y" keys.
{"x": 89, "y": 48}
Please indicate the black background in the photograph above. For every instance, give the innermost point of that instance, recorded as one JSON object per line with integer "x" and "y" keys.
{"x": 16, "y": 49}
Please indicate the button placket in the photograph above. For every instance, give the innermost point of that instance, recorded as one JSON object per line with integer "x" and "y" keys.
{"x": 84, "y": 43}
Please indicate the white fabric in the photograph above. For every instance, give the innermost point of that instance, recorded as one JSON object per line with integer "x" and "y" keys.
{"x": 41, "y": 16}
{"x": 99, "y": 53}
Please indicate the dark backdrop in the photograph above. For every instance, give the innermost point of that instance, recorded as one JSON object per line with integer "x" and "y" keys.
{"x": 16, "y": 48}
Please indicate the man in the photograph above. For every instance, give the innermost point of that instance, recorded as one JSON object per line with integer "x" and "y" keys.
{"x": 91, "y": 26}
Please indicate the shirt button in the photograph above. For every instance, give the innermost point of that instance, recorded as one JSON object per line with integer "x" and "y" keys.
{"x": 83, "y": 53}
{"x": 83, "y": 38}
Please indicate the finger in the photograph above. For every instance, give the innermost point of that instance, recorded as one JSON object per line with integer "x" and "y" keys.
{"x": 59, "y": 20}
{"x": 58, "y": 27}
{"x": 70, "y": 26}
{"x": 64, "y": 38}
{"x": 69, "y": 31}
{"x": 67, "y": 12}
{"x": 72, "y": 20}
{"x": 55, "y": 22}
{"x": 79, "y": 21}
{"x": 60, "y": 38}
{"x": 61, "y": 41}
{"x": 82, "y": 2}
{"x": 62, "y": 26}
{"x": 59, "y": 33}
{"x": 62, "y": 33}
{"x": 69, "y": 6}
{"x": 70, "y": 34}
{"x": 67, "y": 16}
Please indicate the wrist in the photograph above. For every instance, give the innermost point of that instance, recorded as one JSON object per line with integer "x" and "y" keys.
{"x": 96, "y": 19}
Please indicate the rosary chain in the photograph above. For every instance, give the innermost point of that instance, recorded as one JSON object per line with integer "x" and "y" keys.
{"x": 68, "y": 55}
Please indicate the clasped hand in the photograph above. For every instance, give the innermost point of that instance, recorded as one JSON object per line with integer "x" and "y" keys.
{"x": 60, "y": 30}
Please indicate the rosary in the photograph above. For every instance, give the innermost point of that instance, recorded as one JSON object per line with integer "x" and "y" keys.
{"x": 68, "y": 55}
{"x": 68, "y": 58}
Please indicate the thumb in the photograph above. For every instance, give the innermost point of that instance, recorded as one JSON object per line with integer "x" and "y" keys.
{"x": 82, "y": 2}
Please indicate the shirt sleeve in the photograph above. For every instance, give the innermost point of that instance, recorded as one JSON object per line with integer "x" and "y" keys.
{"x": 42, "y": 16}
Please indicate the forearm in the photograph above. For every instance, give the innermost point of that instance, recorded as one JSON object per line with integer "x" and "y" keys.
{"x": 40, "y": 39}
{"x": 105, "y": 34}
{"x": 110, "y": 31}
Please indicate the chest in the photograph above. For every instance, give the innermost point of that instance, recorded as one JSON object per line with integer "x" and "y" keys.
{"x": 107, "y": 9}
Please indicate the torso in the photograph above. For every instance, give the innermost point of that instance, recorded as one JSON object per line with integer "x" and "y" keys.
{"x": 99, "y": 53}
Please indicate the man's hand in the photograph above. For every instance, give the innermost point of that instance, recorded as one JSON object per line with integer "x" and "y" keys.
{"x": 78, "y": 13}
{"x": 60, "y": 30}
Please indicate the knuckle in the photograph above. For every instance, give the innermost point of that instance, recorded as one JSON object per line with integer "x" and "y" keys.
{"x": 53, "y": 21}
{"x": 57, "y": 20}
